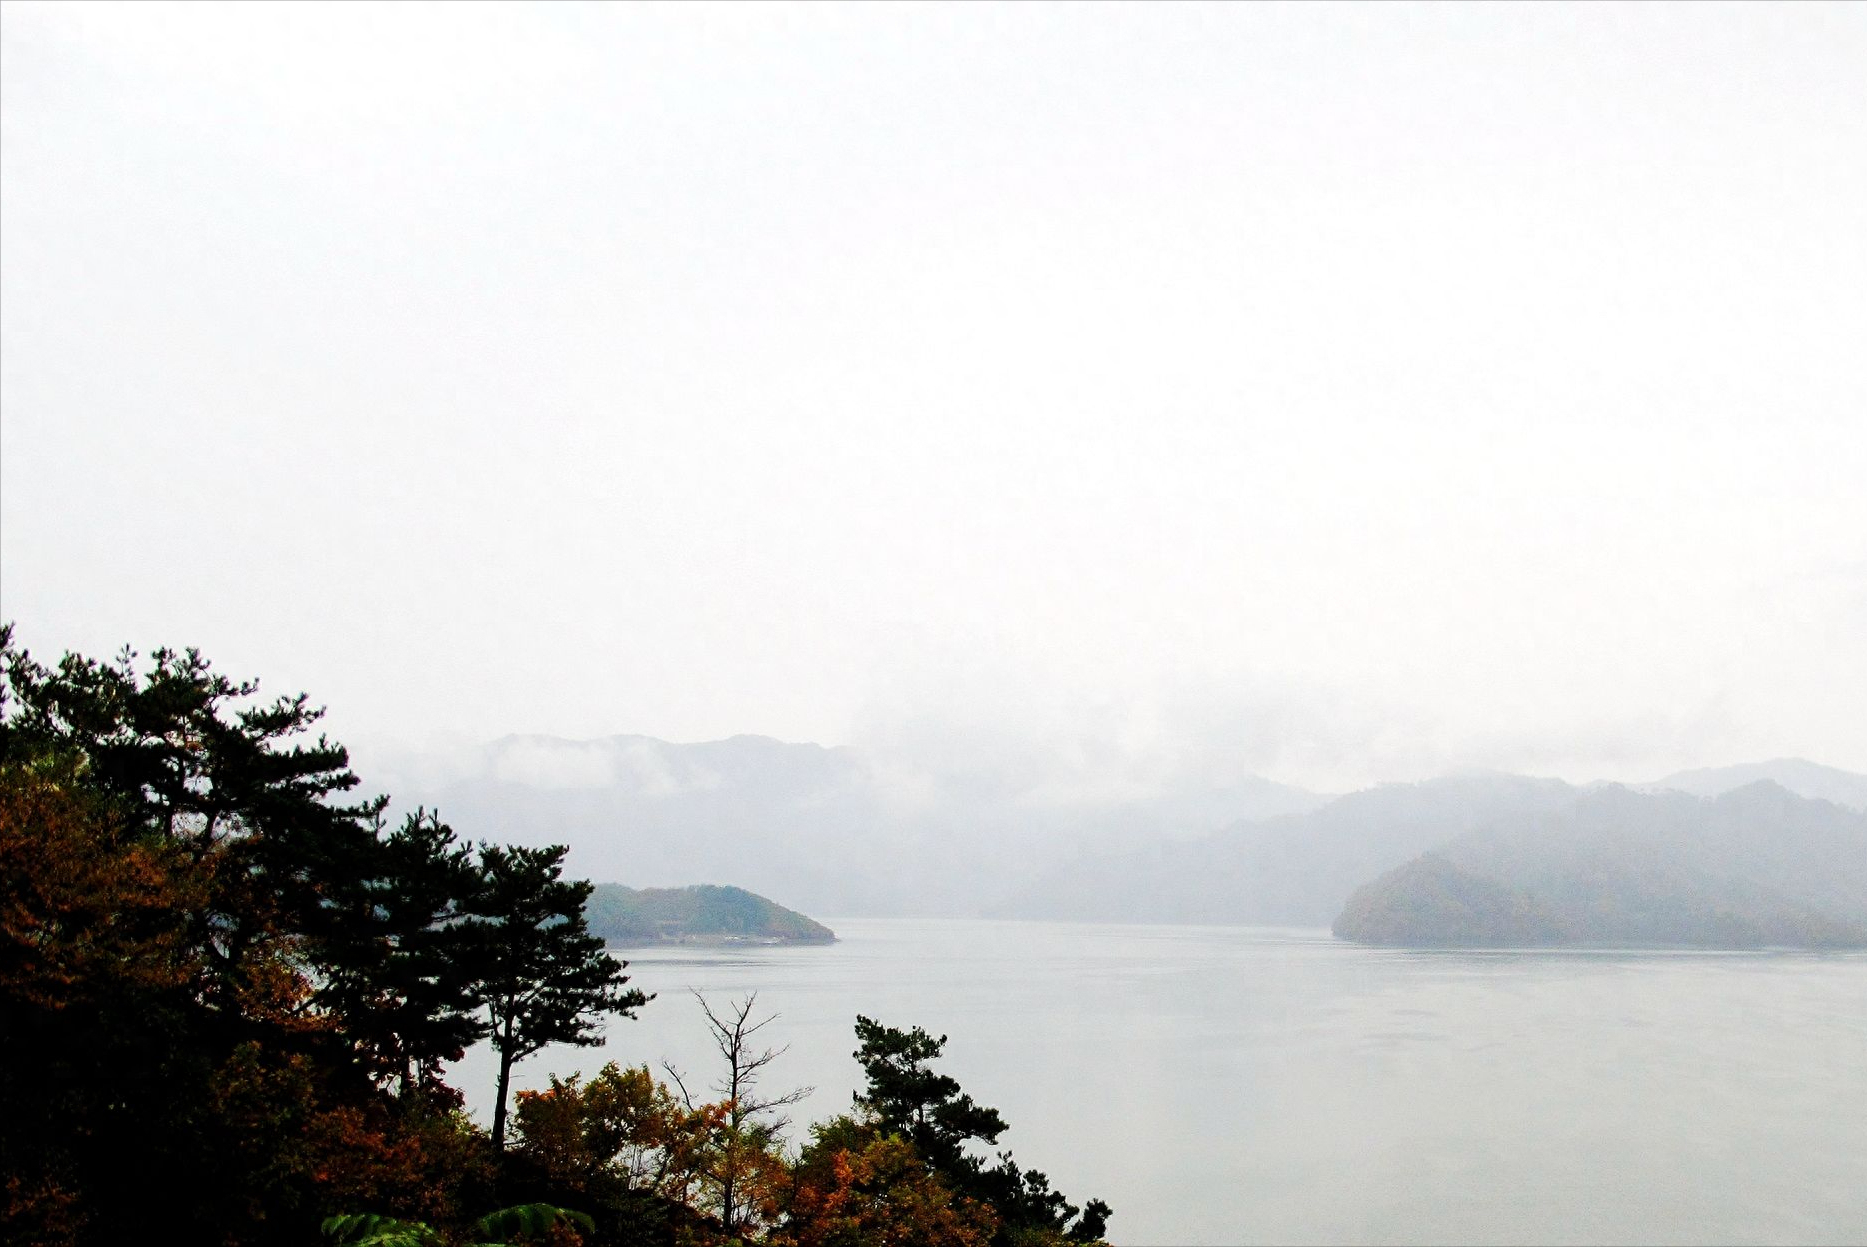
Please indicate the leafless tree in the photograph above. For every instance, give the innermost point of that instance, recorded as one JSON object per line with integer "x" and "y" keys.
{"x": 750, "y": 1121}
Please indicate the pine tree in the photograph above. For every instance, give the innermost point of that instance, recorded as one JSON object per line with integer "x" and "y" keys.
{"x": 909, "y": 1098}
{"x": 401, "y": 973}
{"x": 931, "y": 1112}
{"x": 186, "y": 756}
{"x": 543, "y": 978}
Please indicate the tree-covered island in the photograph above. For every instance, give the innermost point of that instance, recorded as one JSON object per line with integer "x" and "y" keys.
{"x": 700, "y": 914}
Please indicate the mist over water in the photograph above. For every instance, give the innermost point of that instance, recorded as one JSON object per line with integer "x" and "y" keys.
{"x": 1238, "y": 1084}
{"x": 1202, "y": 463}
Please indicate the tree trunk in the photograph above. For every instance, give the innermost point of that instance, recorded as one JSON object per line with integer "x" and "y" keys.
{"x": 499, "y": 1106}
{"x": 726, "y": 1189}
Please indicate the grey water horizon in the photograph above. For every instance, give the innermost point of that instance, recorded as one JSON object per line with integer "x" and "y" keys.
{"x": 1225, "y": 1085}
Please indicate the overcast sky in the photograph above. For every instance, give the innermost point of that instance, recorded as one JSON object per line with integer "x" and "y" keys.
{"x": 1349, "y": 392}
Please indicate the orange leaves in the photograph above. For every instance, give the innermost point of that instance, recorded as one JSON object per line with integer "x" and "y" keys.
{"x": 621, "y": 1131}
{"x": 623, "y": 1134}
{"x": 879, "y": 1193}
{"x": 80, "y": 907}
{"x": 39, "y": 1209}
{"x": 279, "y": 1115}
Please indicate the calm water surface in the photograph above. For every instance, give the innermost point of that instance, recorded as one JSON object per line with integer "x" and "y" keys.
{"x": 1238, "y": 1084}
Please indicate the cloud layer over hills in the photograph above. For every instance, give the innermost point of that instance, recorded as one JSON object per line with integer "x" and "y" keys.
{"x": 844, "y": 832}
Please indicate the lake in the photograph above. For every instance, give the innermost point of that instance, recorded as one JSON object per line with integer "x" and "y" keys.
{"x": 1241, "y": 1084}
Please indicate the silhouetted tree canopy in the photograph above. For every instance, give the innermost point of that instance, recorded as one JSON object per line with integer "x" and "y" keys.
{"x": 542, "y": 977}
{"x": 229, "y": 988}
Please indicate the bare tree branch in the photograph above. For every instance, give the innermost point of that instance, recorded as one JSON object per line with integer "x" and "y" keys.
{"x": 752, "y": 1121}
{"x": 675, "y": 1074}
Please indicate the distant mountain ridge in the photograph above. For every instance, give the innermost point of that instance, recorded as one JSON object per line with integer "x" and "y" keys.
{"x": 1797, "y": 775}
{"x": 836, "y": 830}
{"x": 1294, "y": 870}
{"x": 1301, "y": 869}
{"x": 833, "y": 830}
{"x": 1756, "y": 866}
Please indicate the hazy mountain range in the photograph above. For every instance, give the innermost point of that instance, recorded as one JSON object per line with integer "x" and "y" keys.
{"x": 1802, "y": 777}
{"x": 830, "y": 831}
{"x": 837, "y": 832}
{"x": 1755, "y": 866}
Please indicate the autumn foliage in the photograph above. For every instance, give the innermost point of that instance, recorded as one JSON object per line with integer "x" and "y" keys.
{"x": 229, "y": 991}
